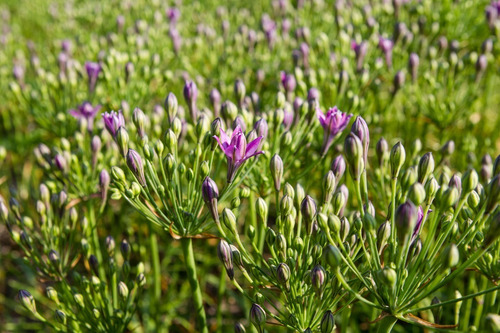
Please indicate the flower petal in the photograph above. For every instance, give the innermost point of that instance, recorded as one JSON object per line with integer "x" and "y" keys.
{"x": 253, "y": 146}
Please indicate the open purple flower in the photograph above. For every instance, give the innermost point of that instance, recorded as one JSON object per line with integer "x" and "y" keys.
{"x": 236, "y": 149}
{"x": 86, "y": 111}
{"x": 93, "y": 69}
{"x": 113, "y": 121}
{"x": 334, "y": 122}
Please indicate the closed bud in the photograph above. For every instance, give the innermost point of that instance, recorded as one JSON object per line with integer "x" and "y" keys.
{"x": 27, "y": 300}
{"x": 417, "y": 193}
{"x": 239, "y": 91}
{"x": 210, "y": 194}
{"x": 171, "y": 106}
{"x": 450, "y": 197}
{"x": 327, "y": 324}
{"x": 229, "y": 220}
{"x": 353, "y": 150}
{"x": 397, "y": 159}
{"x": 60, "y": 316}
{"x": 276, "y": 166}
{"x": 229, "y": 110}
{"x": 451, "y": 256}
{"x": 383, "y": 234}
{"x": 329, "y": 183}
{"x": 135, "y": 164}
{"x": 493, "y": 193}
{"x": 318, "y": 276}
{"x": 239, "y": 328}
{"x": 425, "y": 167}
{"x": 258, "y": 317}
{"x": 360, "y": 129}
{"x": 283, "y": 274}
{"x": 79, "y": 300}
{"x": 338, "y": 167}
{"x": 225, "y": 256}
{"x": 138, "y": 118}
{"x": 52, "y": 294}
{"x": 406, "y": 220}
{"x": 140, "y": 280}
{"x": 286, "y": 205}
{"x": 122, "y": 140}
{"x": 382, "y": 150}
{"x": 299, "y": 194}
{"x": 308, "y": 210}
{"x": 494, "y": 230}
{"x": 54, "y": 257}
{"x": 171, "y": 141}
{"x": 474, "y": 199}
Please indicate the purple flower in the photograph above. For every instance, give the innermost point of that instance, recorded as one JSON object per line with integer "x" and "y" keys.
{"x": 113, "y": 121}
{"x": 93, "y": 69}
{"x": 334, "y": 122}
{"x": 236, "y": 149}
{"x": 86, "y": 111}
{"x": 288, "y": 118}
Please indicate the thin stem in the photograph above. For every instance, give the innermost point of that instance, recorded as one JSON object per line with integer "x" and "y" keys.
{"x": 187, "y": 249}
{"x": 387, "y": 324}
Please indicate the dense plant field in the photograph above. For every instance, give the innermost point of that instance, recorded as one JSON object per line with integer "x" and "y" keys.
{"x": 249, "y": 166}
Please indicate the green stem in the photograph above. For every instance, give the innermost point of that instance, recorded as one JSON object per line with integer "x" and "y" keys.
{"x": 187, "y": 249}
{"x": 221, "y": 292}
{"x": 153, "y": 244}
{"x": 387, "y": 324}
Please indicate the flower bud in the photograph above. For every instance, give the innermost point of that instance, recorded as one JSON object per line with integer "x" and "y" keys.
{"x": 283, "y": 275}
{"x": 318, "y": 276}
{"x": 360, "y": 129}
{"x": 276, "y": 166}
{"x": 328, "y": 186}
{"x": 417, "y": 193}
{"x": 258, "y": 317}
{"x": 327, "y": 324}
{"x": 406, "y": 220}
{"x": 60, "y": 316}
{"x": 135, "y": 164}
{"x": 123, "y": 290}
{"x": 229, "y": 220}
{"x": 451, "y": 256}
{"x": 425, "y": 167}
{"x": 382, "y": 150}
{"x": 138, "y": 119}
{"x": 239, "y": 91}
{"x": 239, "y": 328}
{"x": 308, "y": 210}
{"x": 338, "y": 167}
{"x": 333, "y": 257}
{"x": 27, "y": 300}
{"x": 397, "y": 159}
{"x": 210, "y": 194}
{"x": 226, "y": 257}
{"x": 122, "y": 140}
{"x": 353, "y": 150}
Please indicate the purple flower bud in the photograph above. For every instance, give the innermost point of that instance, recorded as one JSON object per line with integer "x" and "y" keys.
{"x": 173, "y": 15}
{"x": 261, "y": 128}
{"x": 386, "y": 45}
{"x": 93, "y": 69}
{"x": 360, "y": 128}
{"x": 104, "y": 181}
{"x": 135, "y": 164}
{"x": 481, "y": 64}
{"x": 288, "y": 82}
{"x": 18, "y": 73}
{"x": 258, "y": 317}
{"x": 113, "y": 121}
{"x": 238, "y": 121}
{"x": 318, "y": 276}
{"x": 27, "y": 300}
{"x": 215, "y": 99}
{"x": 354, "y": 153}
{"x": 120, "y": 22}
{"x": 226, "y": 257}
{"x": 406, "y": 220}
{"x": 60, "y": 163}
{"x": 210, "y": 194}
{"x": 413, "y": 63}
{"x": 360, "y": 51}
{"x": 191, "y": 95}
{"x": 308, "y": 210}
{"x": 399, "y": 80}
{"x": 338, "y": 167}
